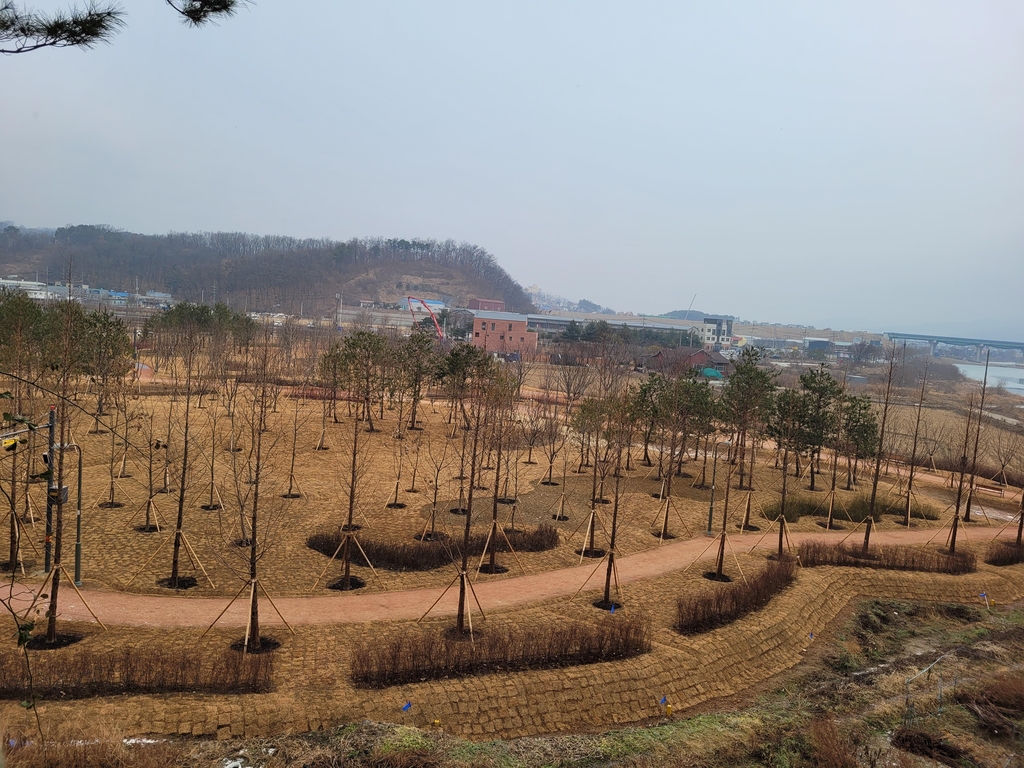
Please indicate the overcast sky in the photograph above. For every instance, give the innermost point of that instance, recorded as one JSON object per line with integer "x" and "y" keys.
{"x": 848, "y": 164}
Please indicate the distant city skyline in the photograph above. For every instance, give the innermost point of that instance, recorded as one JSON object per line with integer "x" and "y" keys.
{"x": 849, "y": 165}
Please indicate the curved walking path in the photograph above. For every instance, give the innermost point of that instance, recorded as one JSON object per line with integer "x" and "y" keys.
{"x": 130, "y": 609}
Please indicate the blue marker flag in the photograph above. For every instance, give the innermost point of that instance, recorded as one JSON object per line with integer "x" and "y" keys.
{"x": 664, "y": 700}
{"x": 613, "y": 607}
{"x": 407, "y": 706}
{"x": 812, "y": 635}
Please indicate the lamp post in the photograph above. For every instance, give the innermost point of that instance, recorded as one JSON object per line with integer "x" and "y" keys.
{"x": 714, "y": 472}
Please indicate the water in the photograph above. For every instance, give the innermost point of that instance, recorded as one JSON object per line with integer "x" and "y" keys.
{"x": 1013, "y": 378}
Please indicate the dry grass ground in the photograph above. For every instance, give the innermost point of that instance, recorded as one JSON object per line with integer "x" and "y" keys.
{"x": 118, "y": 556}
{"x": 312, "y": 686}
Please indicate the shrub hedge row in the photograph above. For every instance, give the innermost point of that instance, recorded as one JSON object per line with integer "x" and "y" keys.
{"x": 412, "y": 657}
{"x": 703, "y": 612}
{"x": 428, "y": 555}
{"x": 893, "y": 558}
{"x": 83, "y": 673}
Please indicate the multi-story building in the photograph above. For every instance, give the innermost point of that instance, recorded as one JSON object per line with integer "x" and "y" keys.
{"x": 716, "y": 332}
{"x": 502, "y": 332}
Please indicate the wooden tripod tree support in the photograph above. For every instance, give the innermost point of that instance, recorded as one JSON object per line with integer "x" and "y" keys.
{"x": 17, "y": 536}
{"x": 832, "y": 497}
{"x": 954, "y": 530}
{"x": 615, "y": 573}
{"x": 721, "y": 539}
{"x": 151, "y": 515}
{"x": 464, "y": 581}
{"x": 216, "y": 501}
{"x": 784, "y": 541}
{"x": 108, "y": 500}
{"x": 1019, "y": 517}
{"x": 492, "y": 534}
{"x": 589, "y": 540}
{"x": 664, "y": 509}
{"x": 348, "y": 538}
{"x": 39, "y": 595}
{"x": 252, "y": 584}
{"x": 190, "y": 553}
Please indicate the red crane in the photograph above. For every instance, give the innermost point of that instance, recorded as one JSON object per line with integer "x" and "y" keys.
{"x": 411, "y": 299}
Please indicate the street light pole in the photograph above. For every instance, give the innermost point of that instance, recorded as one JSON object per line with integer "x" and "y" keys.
{"x": 714, "y": 472}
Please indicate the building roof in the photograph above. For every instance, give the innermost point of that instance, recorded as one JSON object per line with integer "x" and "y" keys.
{"x": 486, "y": 314}
{"x": 615, "y": 321}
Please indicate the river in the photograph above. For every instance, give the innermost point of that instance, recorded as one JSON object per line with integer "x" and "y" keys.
{"x": 1012, "y": 377}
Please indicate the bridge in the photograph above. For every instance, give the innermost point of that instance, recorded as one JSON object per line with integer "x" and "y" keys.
{"x": 956, "y": 341}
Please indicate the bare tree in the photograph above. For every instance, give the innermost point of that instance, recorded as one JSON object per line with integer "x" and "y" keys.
{"x": 914, "y": 444}
{"x": 894, "y": 360}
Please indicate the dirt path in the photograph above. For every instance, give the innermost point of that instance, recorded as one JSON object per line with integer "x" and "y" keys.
{"x": 124, "y": 609}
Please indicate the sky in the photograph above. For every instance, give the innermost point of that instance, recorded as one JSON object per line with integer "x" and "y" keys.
{"x": 856, "y": 164}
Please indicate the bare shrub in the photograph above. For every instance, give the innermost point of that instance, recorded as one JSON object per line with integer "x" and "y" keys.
{"x": 411, "y": 657}
{"x": 832, "y": 749}
{"x": 856, "y": 509}
{"x": 998, "y": 704}
{"x": 429, "y": 555}
{"x": 83, "y": 673}
{"x": 919, "y": 742}
{"x": 893, "y": 558}
{"x": 704, "y": 612}
{"x": 1004, "y": 553}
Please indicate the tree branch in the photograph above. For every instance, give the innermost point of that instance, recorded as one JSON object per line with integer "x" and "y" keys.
{"x": 198, "y": 12}
{"x": 81, "y": 27}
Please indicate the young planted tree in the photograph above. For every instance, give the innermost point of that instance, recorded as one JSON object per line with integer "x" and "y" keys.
{"x": 915, "y": 441}
{"x": 477, "y": 382}
{"x": 574, "y": 375}
{"x": 108, "y": 360}
{"x": 65, "y": 324}
{"x": 788, "y": 428}
{"x": 440, "y": 454}
{"x": 977, "y": 441}
{"x": 252, "y": 501}
{"x": 616, "y": 432}
{"x": 822, "y": 393}
{"x": 860, "y": 434}
{"x": 185, "y": 328}
{"x": 21, "y": 337}
{"x": 894, "y": 359}
{"x": 364, "y": 356}
{"x": 500, "y": 403}
{"x": 645, "y": 410}
{"x": 418, "y": 363}
{"x": 745, "y": 401}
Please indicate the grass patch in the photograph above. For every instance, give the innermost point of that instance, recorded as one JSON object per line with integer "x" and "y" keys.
{"x": 430, "y": 555}
{"x": 706, "y": 611}
{"x": 413, "y": 657}
{"x": 893, "y": 558}
{"x": 84, "y": 673}
{"x": 78, "y": 753}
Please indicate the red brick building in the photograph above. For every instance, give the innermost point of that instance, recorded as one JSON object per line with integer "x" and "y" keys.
{"x": 487, "y": 305}
{"x": 500, "y": 332}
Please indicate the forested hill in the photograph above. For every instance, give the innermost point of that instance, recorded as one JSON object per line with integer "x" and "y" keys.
{"x": 262, "y": 272}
